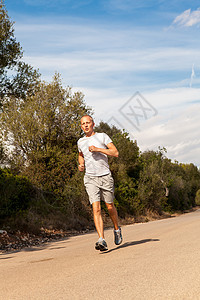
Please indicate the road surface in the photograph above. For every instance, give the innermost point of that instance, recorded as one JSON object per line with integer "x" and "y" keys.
{"x": 158, "y": 260}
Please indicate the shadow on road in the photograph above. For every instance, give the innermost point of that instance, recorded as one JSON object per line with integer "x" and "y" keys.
{"x": 6, "y": 257}
{"x": 128, "y": 244}
{"x": 56, "y": 248}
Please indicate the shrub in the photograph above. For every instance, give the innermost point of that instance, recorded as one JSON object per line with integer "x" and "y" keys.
{"x": 15, "y": 194}
{"x": 197, "y": 198}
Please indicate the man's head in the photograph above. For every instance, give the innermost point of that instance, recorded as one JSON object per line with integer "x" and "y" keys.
{"x": 87, "y": 125}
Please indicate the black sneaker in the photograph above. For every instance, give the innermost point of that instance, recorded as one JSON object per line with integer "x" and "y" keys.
{"x": 97, "y": 246}
{"x": 101, "y": 245}
{"x": 118, "y": 236}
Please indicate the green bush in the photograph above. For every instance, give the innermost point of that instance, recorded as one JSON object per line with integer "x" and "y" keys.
{"x": 197, "y": 198}
{"x": 15, "y": 193}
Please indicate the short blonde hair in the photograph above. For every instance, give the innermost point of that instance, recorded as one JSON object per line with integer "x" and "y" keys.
{"x": 89, "y": 117}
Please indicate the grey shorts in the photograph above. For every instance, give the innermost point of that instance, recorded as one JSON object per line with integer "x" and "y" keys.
{"x": 99, "y": 188}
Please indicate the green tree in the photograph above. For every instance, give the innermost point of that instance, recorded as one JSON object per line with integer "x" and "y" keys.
{"x": 185, "y": 182}
{"x": 197, "y": 197}
{"x": 164, "y": 185}
{"x": 24, "y": 78}
{"x": 125, "y": 169}
{"x": 154, "y": 181}
{"x": 192, "y": 177}
{"x": 128, "y": 151}
{"x": 43, "y": 132}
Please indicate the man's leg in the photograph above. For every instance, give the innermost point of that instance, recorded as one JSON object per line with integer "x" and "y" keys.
{"x": 113, "y": 214}
{"x": 114, "y": 217}
{"x": 98, "y": 221}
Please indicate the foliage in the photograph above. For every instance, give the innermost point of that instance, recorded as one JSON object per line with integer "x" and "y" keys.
{"x": 75, "y": 198}
{"x": 27, "y": 208}
{"x": 43, "y": 131}
{"x": 150, "y": 189}
{"x": 125, "y": 169}
{"x": 126, "y": 165}
{"x": 44, "y": 128}
{"x": 197, "y": 198}
{"x": 10, "y": 48}
{"x": 165, "y": 185}
{"x": 16, "y": 77}
{"x": 15, "y": 193}
{"x": 154, "y": 184}
{"x": 192, "y": 180}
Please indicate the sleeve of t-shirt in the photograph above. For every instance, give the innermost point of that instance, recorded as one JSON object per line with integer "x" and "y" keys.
{"x": 79, "y": 149}
{"x": 107, "y": 139}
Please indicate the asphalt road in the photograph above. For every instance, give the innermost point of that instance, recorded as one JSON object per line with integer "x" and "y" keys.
{"x": 157, "y": 260}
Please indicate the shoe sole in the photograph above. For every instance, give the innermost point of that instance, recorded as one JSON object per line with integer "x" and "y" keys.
{"x": 118, "y": 243}
{"x": 103, "y": 248}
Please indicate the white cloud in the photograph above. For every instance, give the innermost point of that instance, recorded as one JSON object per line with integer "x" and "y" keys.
{"x": 176, "y": 126}
{"x": 117, "y": 61}
{"x": 114, "y": 65}
{"x": 103, "y": 54}
{"x": 192, "y": 76}
{"x": 188, "y": 18}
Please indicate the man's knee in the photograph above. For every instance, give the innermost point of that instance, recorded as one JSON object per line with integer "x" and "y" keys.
{"x": 110, "y": 206}
{"x": 96, "y": 207}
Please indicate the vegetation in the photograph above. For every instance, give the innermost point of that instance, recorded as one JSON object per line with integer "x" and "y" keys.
{"x": 42, "y": 131}
{"x": 24, "y": 78}
{"x": 40, "y": 185}
{"x": 197, "y": 198}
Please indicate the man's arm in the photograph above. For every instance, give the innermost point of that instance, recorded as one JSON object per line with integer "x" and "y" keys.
{"x": 81, "y": 162}
{"x": 111, "y": 151}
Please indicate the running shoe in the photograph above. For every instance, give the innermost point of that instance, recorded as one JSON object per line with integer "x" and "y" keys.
{"x": 97, "y": 246}
{"x": 118, "y": 236}
{"x": 101, "y": 245}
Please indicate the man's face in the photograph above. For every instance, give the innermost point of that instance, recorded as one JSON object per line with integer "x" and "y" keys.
{"x": 87, "y": 125}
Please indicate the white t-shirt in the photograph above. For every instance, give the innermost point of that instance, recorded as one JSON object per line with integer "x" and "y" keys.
{"x": 96, "y": 163}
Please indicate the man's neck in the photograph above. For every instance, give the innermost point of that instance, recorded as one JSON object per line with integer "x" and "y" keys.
{"x": 90, "y": 134}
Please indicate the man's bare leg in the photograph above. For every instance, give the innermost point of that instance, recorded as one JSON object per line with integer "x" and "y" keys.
{"x": 98, "y": 221}
{"x": 114, "y": 217}
{"x": 113, "y": 214}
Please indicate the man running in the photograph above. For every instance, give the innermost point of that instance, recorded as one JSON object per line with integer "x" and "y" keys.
{"x": 93, "y": 150}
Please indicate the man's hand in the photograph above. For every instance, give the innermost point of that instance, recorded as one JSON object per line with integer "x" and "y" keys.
{"x": 111, "y": 150}
{"x": 81, "y": 167}
{"x": 93, "y": 149}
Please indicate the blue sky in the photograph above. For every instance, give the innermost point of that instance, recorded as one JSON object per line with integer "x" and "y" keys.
{"x": 111, "y": 49}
